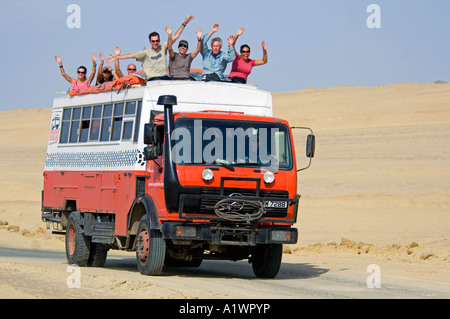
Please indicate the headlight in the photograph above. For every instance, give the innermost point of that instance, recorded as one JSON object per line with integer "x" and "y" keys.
{"x": 268, "y": 177}
{"x": 207, "y": 174}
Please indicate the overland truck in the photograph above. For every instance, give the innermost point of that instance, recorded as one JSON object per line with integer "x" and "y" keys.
{"x": 177, "y": 171}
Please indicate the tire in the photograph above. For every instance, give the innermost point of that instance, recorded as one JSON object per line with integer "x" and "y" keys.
{"x": 97, "y": 256}
{"x": 266, "y": 260}
{"x": 77, "y": 244}
{"x": 150, "y": 249}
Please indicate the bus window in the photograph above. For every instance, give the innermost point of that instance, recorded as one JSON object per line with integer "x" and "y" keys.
{"x": 106, "y": 123}
{"x": 131, "y": 108}
{"x": 76, "y": 116}
{"x": 127, "y": 130}
{"x": 128, "y": 120}
{"x": 138, "y": 120}
{"x": 65, "y": 126}
{"x": 95, "y": 128}
{"x": 117, "y": 122}
{"x": 85, "y": 123}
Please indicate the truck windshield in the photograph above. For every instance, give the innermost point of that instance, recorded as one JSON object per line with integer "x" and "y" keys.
{"x": 232, "y": 143}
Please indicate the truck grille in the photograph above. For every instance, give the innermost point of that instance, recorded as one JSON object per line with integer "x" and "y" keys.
{"x": 205, "y": 203}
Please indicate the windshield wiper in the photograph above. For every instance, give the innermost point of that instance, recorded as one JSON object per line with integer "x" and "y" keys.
{"x": 224, "y": 163}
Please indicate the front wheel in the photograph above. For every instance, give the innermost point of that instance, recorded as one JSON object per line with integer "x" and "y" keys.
{"x": 150, "y": 249}
{"x": 266, "y": 260}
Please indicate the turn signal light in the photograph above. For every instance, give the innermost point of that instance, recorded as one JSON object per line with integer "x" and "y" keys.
{"x": 281, "y": 235}
{"x": 186, "y": 231}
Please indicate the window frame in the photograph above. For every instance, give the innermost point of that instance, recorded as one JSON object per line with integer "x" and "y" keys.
{"x": 105, "y": 134}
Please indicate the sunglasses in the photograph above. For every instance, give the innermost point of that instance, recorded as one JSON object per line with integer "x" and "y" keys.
{"x": 155, "y": 41}
{"x": 131, "y": 69}
{"x": 81, "y": 72}
{"x": 245, "y": 51}
{"x": 182, "y": 46}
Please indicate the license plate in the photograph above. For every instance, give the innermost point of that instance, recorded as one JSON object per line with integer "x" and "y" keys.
{"x": 275, "y": 204}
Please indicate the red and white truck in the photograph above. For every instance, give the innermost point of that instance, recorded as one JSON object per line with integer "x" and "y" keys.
{"x": 177, "y": 171}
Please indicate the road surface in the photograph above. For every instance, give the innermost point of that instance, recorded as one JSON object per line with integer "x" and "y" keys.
{"x": 41, "y": 273}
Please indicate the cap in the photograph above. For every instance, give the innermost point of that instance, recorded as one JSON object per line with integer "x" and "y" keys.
{"x": 183, "y": 42}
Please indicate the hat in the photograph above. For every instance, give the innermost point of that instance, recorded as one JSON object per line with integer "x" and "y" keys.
{"x": 183, "y": 42}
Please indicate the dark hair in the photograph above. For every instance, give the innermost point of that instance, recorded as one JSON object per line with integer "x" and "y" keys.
{"x": 82, "y": 67}
{"x": 153, "y": 34}
{"x": 245, "y": 46}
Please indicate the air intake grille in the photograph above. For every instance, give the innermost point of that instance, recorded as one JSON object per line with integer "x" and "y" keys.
{"x": 210, "y": 196}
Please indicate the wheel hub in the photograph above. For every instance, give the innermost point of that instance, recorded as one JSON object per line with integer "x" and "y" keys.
{"x": 143, "y": 245}
{"x": 71, "y": 240}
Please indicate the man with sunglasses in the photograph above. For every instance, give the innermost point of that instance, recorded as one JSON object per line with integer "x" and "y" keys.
{"x": 131, "y": 68}
{"x": 180, "y": 63}
{"x": 154, "y": 59}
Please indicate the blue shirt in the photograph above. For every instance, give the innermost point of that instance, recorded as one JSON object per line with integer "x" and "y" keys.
{"x": 215, "y": 63}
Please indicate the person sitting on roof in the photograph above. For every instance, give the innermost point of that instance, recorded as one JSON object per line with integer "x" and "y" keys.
{"x": 105, "y": 74}
{"x": 214, "y": 60}
{"x": 180, "y": 63}
{"x": 131, "y": 68}
{"x": 242, "y": 65}
{"x": 153, "y": 59}
{"x": 80, "y": 83}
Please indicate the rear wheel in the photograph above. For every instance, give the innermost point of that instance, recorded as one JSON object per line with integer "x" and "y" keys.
{"x": 266, "y": 260}
{"x": 77, "y": 244}
{"x": 97, "y": 255}
{"x": 150, "y": 249}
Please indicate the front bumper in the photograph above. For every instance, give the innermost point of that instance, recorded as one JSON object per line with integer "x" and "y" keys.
{"x": 219, "y": 234}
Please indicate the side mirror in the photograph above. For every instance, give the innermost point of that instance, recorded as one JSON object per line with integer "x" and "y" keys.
{"x": 149, "y": 134}
{"x": 150, "y": 153}
{"x": 310, "y": 146}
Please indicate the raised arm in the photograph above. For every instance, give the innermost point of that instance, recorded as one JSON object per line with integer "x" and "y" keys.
{"x": 94, "y": 65}
{"x": 231, "y": 54}
{"x": 100, "y": 68}
{"x": 114, "y": 57}
{"x": 199, "y": 34}
{"x": 170, "y": 42}
{"x": 116, "y": 63}
{"x": 181, "y": 28}
{"x": 63, "y": 73}
{"x": 238, "y": 34}
{"x": 264, "y": 59}
{"x": 206, "y": 38}
{"x": 214, "y": 29}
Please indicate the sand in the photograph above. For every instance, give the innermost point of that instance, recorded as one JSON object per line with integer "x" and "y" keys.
{"x": 379, "y": 184}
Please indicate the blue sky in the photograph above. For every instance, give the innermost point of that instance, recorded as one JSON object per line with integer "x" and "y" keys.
{"x": 315, "y": 43}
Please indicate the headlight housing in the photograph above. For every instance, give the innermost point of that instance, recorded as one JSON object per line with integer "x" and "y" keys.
{"x": 207, "y": 174}
{"x": 269, "y": 178}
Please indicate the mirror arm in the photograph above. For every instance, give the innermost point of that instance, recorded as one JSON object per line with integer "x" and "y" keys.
{"x": 302, "y": 169}
{"x": 312, "y": 133}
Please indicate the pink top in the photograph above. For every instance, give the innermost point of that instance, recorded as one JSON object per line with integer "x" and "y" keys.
{"x": 241, "y": 68}
{"x": 76, "y": 87}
